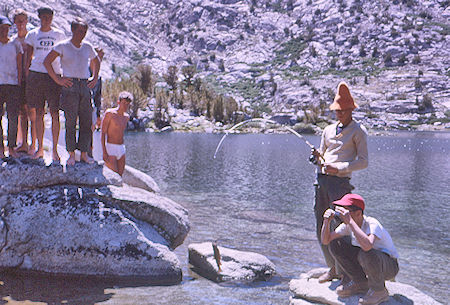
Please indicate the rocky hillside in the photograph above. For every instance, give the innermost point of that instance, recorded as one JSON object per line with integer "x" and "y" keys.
{"x": 286, "y": 55}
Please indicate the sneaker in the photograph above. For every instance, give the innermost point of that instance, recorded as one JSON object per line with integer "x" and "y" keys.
{"x": 328, "y": 276}
{"x": 351, "y": 288}
{"x": 373, "y": 297}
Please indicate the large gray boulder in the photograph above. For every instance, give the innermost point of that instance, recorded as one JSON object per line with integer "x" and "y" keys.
{"x": 235, "y": 265}
{"x": 308, "y": 289}
{"x": 86, "y": 221}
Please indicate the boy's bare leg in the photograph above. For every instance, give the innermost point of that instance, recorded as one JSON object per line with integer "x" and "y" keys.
{"x": 38, "y": 115}
{"x": 22, "y": 133}
{"x": 2, "y": 146}
{"x": 121, "y": 165}
{"x": 111, "y": 163}
{"x": 85, "y": 158}
{"x": 55, "y": 134}
{"x": 32, "y": 146}
{"x": 71, "y": 160}
{"x": 12, "y": 152}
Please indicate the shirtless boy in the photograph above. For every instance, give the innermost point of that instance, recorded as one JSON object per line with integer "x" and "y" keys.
{"x": 113, "y": 127}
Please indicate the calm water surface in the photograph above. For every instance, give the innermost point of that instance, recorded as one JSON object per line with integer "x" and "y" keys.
{"x": 257, "y": 195}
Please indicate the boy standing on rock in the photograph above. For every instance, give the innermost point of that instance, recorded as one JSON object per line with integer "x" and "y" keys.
{"x": 113, "y": 127}
{"x": 76, "y": 57}
{"x": 10, "y": 79}
{"x": 40, "y": 87}
{"x": 343, "y": 148}
{"x": 370, "y": 258}
{"x": 20, "y": 19}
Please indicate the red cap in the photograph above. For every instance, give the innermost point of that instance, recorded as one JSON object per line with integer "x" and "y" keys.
{"x": 351, "y": 200}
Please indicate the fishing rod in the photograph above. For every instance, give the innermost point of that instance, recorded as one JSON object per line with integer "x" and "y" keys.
{"x": 261, "y": 120}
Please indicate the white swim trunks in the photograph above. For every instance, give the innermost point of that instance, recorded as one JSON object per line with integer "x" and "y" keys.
{"x": 116, "y": 150}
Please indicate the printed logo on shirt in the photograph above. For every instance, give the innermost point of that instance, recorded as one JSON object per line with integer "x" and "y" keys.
{"x": 45, "y": 43}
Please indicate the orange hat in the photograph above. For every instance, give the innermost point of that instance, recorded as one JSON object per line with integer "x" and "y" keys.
{"x": 343, "y": 99}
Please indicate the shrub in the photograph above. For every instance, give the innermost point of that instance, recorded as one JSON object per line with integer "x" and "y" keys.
{"x": 402, "y": 60}
{"x": 427, "y": 101}
{"x": 416, "y": 60}
{"x": 171, "y": 77}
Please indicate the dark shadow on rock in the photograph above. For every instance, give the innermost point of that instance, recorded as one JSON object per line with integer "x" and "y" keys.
{"x": 67, "y": 289}
{"x": 402, "y": 299}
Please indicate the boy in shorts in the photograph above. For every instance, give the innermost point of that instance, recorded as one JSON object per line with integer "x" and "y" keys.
{"x": 113, "y": 127}
{"x": 20, "y": 18}
{"x": 10, "y": 80}
{"x": 40, "y": 86}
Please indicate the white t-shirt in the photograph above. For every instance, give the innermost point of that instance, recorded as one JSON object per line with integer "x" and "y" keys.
{"x": 371, "y": 225}
{"x": 42, "y": 43}
{"x": 75, "y": 61}
{"x": 8, "y": 62}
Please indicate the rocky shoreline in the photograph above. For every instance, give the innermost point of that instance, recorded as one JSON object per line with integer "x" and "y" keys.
{"x": 183, "y": 121}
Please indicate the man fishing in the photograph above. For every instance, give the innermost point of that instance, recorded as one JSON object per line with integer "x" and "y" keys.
{"x": 343, "y": 149}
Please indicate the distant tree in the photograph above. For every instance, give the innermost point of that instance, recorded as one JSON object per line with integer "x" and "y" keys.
{"x": 427, "y": 101}
{"x": 416, "y": 60}
{"x": 146, "y": 79}
{"x": 418, "y": 84}
{"x": 333, "y": 62}
{"x": 188, "y": 73}
{"x": 387, "y": 59}
{"x": 171, "y": 77}
{"x": 375, "y": 52}
{"x": 221, "y": 65}
{"x": 312, "y": 51}
{"x": 402, "y": 60}
{"x": 218, "y": 109}
{"x": 362, "y": 51}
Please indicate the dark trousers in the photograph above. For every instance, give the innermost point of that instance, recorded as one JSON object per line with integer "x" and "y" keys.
{"x": 9, "y": 94}
{"x": 76, "y": 103}
{"x": 373, "y": 266}
{"x": 328, "y": 189}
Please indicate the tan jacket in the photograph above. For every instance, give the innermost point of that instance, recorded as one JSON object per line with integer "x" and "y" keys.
{"x": 346, "y": 151}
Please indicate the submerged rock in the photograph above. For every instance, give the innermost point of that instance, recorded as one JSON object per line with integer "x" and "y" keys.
{"x": 235, "y": 265}
{"x": 87, "y": 222}
{"x": 307, "y": 288}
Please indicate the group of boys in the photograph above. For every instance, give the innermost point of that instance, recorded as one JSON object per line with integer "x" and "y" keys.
{"x": 357, "y": 249}
{"x": 42, "y": 65}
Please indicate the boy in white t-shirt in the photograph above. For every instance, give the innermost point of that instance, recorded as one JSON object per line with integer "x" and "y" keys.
{"x": 20, "y": 19}
{"x": 40, "y": 87}
{"x": 10, "y": 80}
{"x": 76, "y": 57}
{"x": 370, "y": 258}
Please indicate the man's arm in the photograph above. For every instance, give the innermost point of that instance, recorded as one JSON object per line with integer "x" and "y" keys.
{"x": 326, "y": 235}
{"x": 62, "y": 81}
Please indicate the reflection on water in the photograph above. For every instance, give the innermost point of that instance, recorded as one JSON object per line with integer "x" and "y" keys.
{"x": 257, "y": 195}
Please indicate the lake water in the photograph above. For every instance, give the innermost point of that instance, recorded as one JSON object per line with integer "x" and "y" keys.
{"x": 257, "y": 195}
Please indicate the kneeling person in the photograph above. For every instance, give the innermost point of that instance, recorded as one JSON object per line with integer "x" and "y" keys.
{"x": 113, "y": 127}
{"x": 369, "y": 260}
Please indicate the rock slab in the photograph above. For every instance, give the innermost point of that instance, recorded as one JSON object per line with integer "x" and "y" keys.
{"x": 86, "y": 221}
{"x": 236, "y": 265}
{"x": 308, "y": 289}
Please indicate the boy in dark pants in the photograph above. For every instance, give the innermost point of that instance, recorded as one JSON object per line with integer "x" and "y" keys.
{"x": 370, "y": 258}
